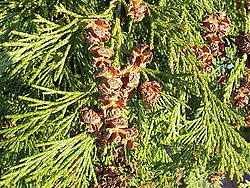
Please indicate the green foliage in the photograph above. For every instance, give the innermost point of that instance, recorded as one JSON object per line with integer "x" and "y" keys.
{"x": 46, "y": 76}
{"x": 64, "y": 163}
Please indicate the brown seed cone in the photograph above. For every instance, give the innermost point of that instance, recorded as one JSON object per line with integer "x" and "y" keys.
{"x": 138, "y": 9}
{"x": 97, "y": 36}
{"x": 131, "y": 78}
{"x": 115, "y": 112}
{"x": 120, "y": 104}
{"x": 224, "y": 27}
{"x": 115, "y": 83}
{"x": 109, "y": 177}
{"x": 240, "y": 97}
{"x": 213, "y": 178}
{"x": 92, "y": 39}
{"x": 92, "y": 118}
{"x": 243, "y": 42}
{"x": 217, "y": 23}
{"x": 99, "y": 31}
{"x": 93, "y": 127}
{"x": 104, "y": 88}
{"x": 132, "y": 133}
{"x": 98, "y": 22}
{"x": 114, "y": 100}
{"x": 140, "y": 58}
{"x": 128, "y": 141}
{"x": 113, "y": 97}
{"x": 110, "y": 86}
{"x": 150, "y": 91}
{"x": 204, "y": 54}
{"x": 211, "y": 22}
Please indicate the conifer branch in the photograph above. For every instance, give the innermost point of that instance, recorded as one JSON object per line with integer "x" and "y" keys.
{"x": 48, "y": 114}
{"x": 188, "y": 136}
{"x": 64, "y": 163}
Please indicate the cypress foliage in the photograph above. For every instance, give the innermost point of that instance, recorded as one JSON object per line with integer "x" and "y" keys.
{"x": 192, "y": 136}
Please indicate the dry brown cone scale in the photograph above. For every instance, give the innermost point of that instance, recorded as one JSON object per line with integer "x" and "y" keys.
{"x": 109, "y": 72}
{"x": 131, "y": 78}
{"x": 101, "y": 58}
{"x": 128, "y": 139}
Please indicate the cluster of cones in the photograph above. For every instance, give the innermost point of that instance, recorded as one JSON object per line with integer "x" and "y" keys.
{"x": 218, "y": 26}
{"x": 138, "y": 9}
{"x": 240, "y": 97}
{"x": 109, "y": 121}
{"x": 116, "y": 87}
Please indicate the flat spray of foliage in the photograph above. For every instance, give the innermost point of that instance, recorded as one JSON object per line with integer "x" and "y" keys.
{"x": 46, "y": 76}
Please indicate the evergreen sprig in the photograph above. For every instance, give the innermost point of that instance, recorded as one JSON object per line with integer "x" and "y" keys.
{"x": 63, "y": 163}
{"x": 46, "y": 76}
